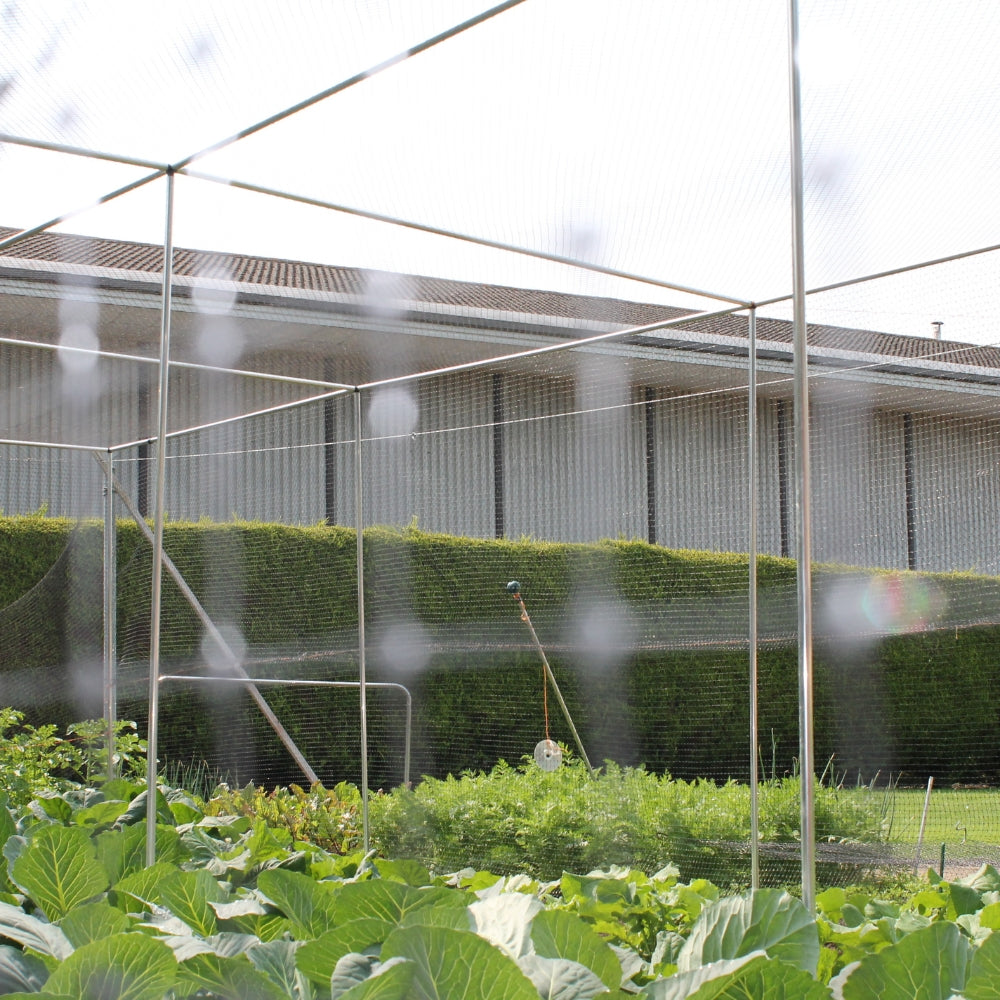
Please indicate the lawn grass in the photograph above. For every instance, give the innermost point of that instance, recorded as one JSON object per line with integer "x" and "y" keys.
{"x": 955, "y": 816}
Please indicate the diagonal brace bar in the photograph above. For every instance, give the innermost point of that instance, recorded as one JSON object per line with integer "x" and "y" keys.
{"x": 216, "y": 635}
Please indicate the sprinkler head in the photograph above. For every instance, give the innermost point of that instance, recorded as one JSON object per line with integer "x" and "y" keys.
{"x": 513, "y": 588}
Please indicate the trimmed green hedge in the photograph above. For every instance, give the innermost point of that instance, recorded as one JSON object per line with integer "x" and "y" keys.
{"x": 916, "y": 704}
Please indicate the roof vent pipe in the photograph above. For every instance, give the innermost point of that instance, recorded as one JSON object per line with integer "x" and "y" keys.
{"x": 937, "y": 324}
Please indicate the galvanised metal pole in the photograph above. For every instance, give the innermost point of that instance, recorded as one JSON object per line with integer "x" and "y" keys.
{"x": 161, "y": 447}
{"x": 359, "y": 520}
{"x": 752, "y": 601}
{"x": 110, "y": 614}
{"x": 803, "y": 547}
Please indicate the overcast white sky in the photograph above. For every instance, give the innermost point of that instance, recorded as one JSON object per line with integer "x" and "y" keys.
{"x": 641, "y": 135}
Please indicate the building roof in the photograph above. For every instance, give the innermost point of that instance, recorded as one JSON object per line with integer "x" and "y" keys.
{"x": 287, "y": 275}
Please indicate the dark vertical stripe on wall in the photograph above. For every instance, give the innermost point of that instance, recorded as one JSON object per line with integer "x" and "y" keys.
{"x": 911, "y": 526}
{"x": 784, "y": 512}
{"x": 142, "y": 480}
{"x": 650, "y": 410}
{"x": 329, "y": 450}
{"x": 329, "y": 461}
{"x": 142, "y": 453}
{"x": 498, "y": 421}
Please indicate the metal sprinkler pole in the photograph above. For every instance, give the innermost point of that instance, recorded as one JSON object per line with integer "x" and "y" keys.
{"x": 515, "y": 592}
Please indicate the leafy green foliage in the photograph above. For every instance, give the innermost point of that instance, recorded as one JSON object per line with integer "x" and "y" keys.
{"x": 240, "y": 910}
{"x": 931, "y": 963}
{"x": 19, "y": 971}
{"x": 556, "y": 934}
{"x": 36, "y": 760}
{"x": 59, "y": 869}
{"x": 769, "y": 920}
{"x": 753, "y": 977}
{"x": 31, "y": 758}
{"x": 526, "y": 820}
{"x": 124, "y": 966}
{"x": 447, "y": 961}
{"x": 330, "y": 819}
{"x": 129, "y": 756}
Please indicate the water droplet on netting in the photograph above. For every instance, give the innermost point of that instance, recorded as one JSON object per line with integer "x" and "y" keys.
{"x": 405, "y": 649}
{"x": 220, "y": 341}
{"x": 548, "y": 755}
{"x": 224, "y": 651}
{"x": 603, "y": 633}
{"x": 386, "y": 293}
{"x": 393, "y": 411}
{"x": 68, "y": 119}
{"x": 214, "y": 299}
{"x": 75, "y": 341}
{"x": 201, "y": 50}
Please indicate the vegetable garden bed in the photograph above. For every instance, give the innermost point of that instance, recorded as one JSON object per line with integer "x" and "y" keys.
{"x": 234, "y": 908}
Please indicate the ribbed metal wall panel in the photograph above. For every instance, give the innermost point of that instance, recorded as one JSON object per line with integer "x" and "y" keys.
{"x": 339, "y": 460}
{"x": 427, "y": 455}
{"x": 265, "y": 468}
{"x": 48, "y": 402}
{"x": 58, "y": 482}
{"x": 858, "y": 486}
{"x": 768, "y": 480}
{"x": 45, "y": 402}
{"x": 573, "y": 454}
{"x": 574, "y": 466}
{"x": 956, "y": 480}
{"x": 701, "y": 458}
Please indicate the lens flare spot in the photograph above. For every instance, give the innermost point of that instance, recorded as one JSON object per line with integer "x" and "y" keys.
{"x": 899, "y": 604}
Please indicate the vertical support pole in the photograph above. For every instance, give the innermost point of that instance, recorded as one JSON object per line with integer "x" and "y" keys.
{"x": 157, "y": 585}
{"x": 110, "y": 700}
{"x": 923, "y": 826}
{"x": 802, "y": 492}
{"x": 359, "y": 519}
{"x": 752, "y": 599}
